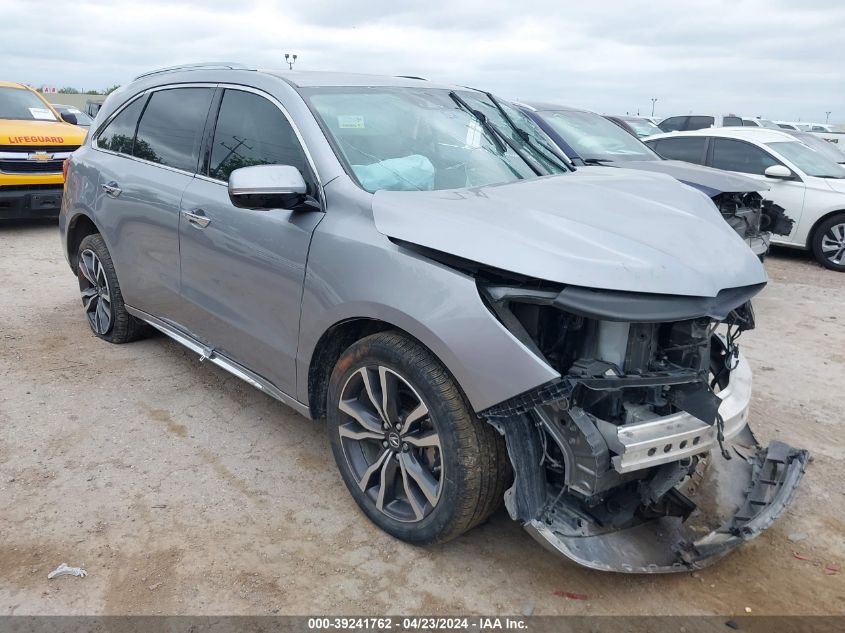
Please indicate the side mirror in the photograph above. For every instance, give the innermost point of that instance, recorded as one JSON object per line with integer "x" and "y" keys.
{"x": 778, "y": 171}
{"x": 68, "y": 117}
{"x": 267, "y": 187}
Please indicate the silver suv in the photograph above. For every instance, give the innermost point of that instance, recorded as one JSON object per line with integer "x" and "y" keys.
{"x": 475, "y": 319}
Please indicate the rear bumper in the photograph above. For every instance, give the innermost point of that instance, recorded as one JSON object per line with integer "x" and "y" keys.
{"x": 735, "y": 501}
{"x": 30, "y": 202}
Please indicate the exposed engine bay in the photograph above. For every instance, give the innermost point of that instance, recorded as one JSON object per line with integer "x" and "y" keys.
{"x": 639, "y": 458}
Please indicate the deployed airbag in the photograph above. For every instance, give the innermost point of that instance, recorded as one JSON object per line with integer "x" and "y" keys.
{"x": 408, "y": 173}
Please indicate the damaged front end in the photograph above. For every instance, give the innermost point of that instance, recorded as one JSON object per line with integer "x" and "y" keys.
{"x": 638, "y": 458}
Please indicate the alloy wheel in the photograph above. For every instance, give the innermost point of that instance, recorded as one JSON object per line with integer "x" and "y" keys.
{"x": 391, "y": 443}
{"x": 95, "y": 291}
{"x": 833, "y": 244}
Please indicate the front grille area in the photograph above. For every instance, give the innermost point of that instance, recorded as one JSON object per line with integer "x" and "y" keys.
{"x": 30, "y": 166}
{"x": 27, "y": 149}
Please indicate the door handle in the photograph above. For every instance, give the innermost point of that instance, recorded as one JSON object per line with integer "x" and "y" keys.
{"x": 197, "y": 217}
{"x": 112, "y": 189}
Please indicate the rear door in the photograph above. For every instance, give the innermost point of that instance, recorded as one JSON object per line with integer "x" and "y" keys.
{"x": 150, "y": 153}
{"x": 243, "y": 269}
{"x": 751, "y": 160}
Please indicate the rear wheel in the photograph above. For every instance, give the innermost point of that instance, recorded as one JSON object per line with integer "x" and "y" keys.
{"x": 412, "y": 453}
{"x": 829, "y": 243}
{"x": 101, "y": 296}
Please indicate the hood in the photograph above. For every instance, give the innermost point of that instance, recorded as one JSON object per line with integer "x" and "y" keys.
{"x": 35, "y": 133}
{"x": 616, "y": 229}
{"x": 707, "y": 179}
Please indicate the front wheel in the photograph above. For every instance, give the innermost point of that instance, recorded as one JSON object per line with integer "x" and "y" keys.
{"x": 829, "y": 243}
{"x": 414, "y": 456}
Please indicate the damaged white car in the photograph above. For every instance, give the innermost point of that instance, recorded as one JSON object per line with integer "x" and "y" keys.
{"x": 476, "y": 319}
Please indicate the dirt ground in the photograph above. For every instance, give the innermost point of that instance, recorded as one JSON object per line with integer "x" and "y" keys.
{"x": 182, "y": 490}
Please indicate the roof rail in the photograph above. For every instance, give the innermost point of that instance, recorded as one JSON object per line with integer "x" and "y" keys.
{"x": 411, "y": 77}
{"x": 196, "y": 66}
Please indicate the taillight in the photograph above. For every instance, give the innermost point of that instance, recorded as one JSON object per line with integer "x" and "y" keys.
{"x": 65, "y": 164}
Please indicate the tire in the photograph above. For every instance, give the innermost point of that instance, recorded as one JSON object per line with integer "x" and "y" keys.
{"x": 100, "y": 289}
{"x": 465, "y": 474}
{"x": 828, "y": 243}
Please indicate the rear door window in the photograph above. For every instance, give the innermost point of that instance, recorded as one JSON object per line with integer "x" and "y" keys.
{"x": 729, "y": 121}
{"x": 251, "y": 130}
{"x": 733, "y": 155}
{"x": 170, "y": 131}
{"x": 119, "y": 135}
{"x": 689, "y": 149}
{"x": 700, "y": 122}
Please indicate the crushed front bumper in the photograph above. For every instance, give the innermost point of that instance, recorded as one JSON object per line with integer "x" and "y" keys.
{"x": 735, "y": 501}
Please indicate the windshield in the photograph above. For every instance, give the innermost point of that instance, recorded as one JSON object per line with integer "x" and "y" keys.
{"x": 17, "y": 103}
{"x": 828, "y": 150}
{"x": 596, "y": 138}
{"x": 807, "y": 160}
{"x": 416, "y": 139}
{"x": 643, "y": 127}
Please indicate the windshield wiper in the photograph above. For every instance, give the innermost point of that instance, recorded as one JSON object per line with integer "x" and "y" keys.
{"x": 497, "y": 135}
{"x": 597, "y": 161}
{"x": 557, "y": 158}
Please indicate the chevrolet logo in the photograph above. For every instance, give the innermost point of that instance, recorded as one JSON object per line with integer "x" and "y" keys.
{"x": 40, "y": 156}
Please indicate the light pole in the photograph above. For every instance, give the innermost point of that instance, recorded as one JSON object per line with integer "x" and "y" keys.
{"x": 290, "y": 60}
{"x": 653, "y": 101}
{"x": 827, "y": 117}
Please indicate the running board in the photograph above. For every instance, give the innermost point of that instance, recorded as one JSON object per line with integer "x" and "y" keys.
{"x": 209, "y": 354}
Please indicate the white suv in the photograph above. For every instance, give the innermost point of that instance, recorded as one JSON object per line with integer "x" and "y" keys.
{"x": 810, "y": 187}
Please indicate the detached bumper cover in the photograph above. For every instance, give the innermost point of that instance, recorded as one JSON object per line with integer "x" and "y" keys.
{"x": 736, "y": 500}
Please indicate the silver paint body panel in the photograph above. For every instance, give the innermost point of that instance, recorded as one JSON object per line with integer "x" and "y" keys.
{"x": 260, "y": 288}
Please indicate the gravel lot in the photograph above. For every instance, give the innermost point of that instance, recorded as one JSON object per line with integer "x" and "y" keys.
{"x": 183, "y": 490}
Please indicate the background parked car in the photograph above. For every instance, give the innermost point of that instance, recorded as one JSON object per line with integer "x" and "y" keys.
{"x": 809, "y": 186}
{"x": 638, "y": 126}
{"x": 92, "y": 106}
{"x": 819, "y": 144}
{"x": 82, "y": 119}
{"x": 698, "y": 121}
{"x": 757, "y": 122}
{"x": 589, "y": 139}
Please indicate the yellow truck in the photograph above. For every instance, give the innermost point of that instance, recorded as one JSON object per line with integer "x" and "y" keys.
{"x": 34, "y": 142}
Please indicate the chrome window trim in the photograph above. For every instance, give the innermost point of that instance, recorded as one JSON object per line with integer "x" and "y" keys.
{"x": 96, "y": 136}
{"x": 226, "y": 86}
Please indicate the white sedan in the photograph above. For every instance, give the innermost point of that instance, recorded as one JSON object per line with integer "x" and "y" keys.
{"x": 809, "y": 186}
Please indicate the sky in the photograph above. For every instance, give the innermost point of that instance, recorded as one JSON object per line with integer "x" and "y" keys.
{"x": 780, "y": 59}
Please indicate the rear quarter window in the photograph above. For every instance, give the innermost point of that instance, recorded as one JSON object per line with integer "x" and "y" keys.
{"x": 118, "y": 136}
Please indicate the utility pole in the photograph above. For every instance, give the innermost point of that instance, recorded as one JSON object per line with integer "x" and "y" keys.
{"x": 827, "y": 117}
{"x": 653, "y": 101}
{"x": 290, "y": 60}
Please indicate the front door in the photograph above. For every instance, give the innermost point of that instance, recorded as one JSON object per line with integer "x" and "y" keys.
{"x": 243, "y": 269}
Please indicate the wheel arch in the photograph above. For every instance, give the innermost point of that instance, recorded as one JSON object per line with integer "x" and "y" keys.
{"x": 78, "y": 228}
{"x": 811, "y": 234}
{"x": 331, "y": 345}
